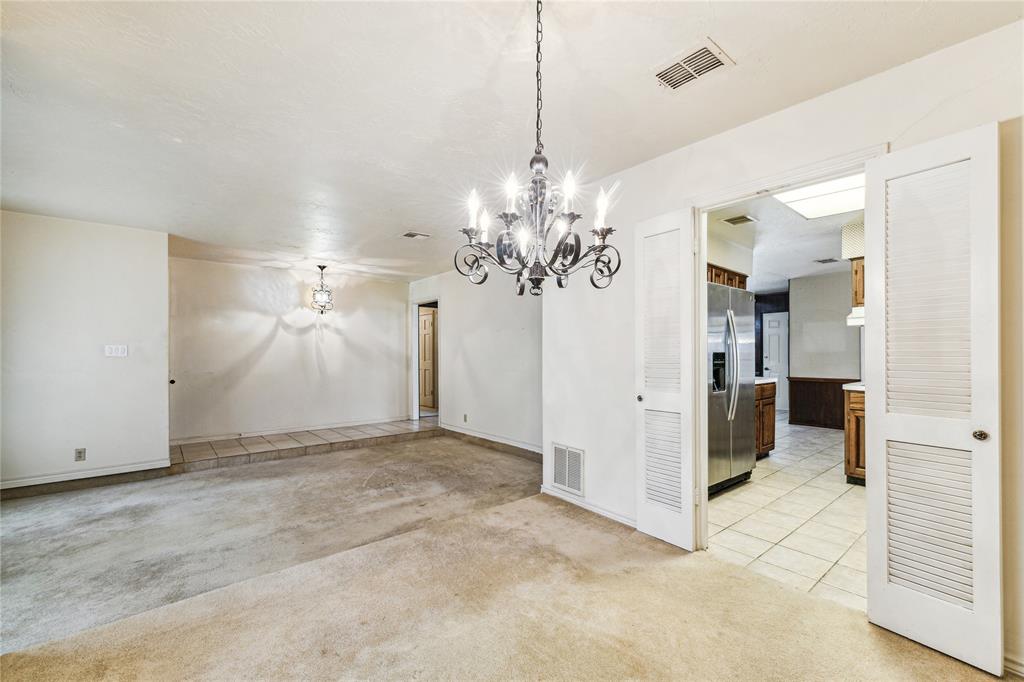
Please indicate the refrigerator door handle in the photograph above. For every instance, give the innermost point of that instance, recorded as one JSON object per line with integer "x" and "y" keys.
{"x": 735, "y": 350}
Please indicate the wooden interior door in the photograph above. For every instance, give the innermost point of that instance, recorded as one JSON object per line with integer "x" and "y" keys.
{"x": 932, "y": 395}
{"x": 428, "y": 358}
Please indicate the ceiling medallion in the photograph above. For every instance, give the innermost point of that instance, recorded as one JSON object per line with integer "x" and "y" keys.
{"x": 323, "y": 299}
{"x": 535, "y": 216}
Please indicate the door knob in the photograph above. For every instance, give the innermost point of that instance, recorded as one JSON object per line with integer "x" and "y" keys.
{"x": 639, "y": 398}
{"x": 980, "y": 435}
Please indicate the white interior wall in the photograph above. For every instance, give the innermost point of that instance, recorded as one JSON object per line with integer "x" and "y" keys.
{"x": 588, "y": 358}
{"x": 70, "y": 288}
{"x": 489, "y": 345}
{"x": 728, "y": 254}
{"x": 821, "y": 344}
{"x": 248, "y": 355}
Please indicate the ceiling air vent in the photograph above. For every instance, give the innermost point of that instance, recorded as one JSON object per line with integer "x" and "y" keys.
{"x": 825, "y": 261}
{"x": 416, "y": 235}
{"x": 739, "y": 220}
{"x": 696, "y": 64}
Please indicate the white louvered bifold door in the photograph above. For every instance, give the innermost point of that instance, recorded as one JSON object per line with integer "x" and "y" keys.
{"x": 664, "y": 497}
{"x": 932, "y": 395}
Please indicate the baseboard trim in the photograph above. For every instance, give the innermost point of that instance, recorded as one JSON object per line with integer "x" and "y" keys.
{"x": 65, "y": 476}
{"x": 1013, "y": 664}
{"x": 589, "y": 506}
{"x": 529, "y": 447}
{"x": 496, "y": 445}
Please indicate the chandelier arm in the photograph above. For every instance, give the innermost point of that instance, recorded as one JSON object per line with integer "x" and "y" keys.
{"x": 605, "y": 255}
{"x": 470, "y": 257}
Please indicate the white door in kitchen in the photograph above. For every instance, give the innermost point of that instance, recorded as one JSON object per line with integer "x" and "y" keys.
{"x": 932, "y": 398}
{"x": 664, "y": 380}
{"x": 775, "y": 354}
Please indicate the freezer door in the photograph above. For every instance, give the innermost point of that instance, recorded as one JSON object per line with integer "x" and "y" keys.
{"x": 744, "y": 447}
{"x": 720, "y": 366}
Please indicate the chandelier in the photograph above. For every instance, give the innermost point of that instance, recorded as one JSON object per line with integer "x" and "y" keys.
{"x": 538, "y": 239}
{"x": 323, "y": 299}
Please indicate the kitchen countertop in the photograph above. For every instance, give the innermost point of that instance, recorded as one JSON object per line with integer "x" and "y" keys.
{"x": 857, "y": 386}
{"x": 765, "y": 380}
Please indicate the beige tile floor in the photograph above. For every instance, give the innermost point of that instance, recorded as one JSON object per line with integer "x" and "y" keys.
{"x": 797, "y": 520}
{"x": 229, "y": 452}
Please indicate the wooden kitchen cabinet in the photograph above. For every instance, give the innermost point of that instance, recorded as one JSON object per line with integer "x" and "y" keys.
{"x": 857, "y": 281}
{"x": 730, "y": 278}
{"x": 764, "y": 418}
{"x": 855, "y": 460}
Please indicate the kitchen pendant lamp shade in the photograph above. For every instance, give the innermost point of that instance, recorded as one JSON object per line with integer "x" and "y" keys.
{"x": 323, "y": 299}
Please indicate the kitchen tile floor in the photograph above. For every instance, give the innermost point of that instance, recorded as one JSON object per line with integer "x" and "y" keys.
{"x": 797, "y": 520}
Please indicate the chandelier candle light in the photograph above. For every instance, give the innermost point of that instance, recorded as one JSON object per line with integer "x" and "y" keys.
{"x": 538, "y": 240}
{"x": 323, "y": 299}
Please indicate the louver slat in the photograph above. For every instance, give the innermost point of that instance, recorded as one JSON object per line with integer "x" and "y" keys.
{"x": 930, "y": 526}
{"x": 663, "y": 459}
{"x": 661, "y": 319}
{"x": 927, "y": 289}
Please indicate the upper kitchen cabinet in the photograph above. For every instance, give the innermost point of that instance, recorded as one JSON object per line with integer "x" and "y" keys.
{"x": 730, "y": 278}
{"x": 857, "y": 281}
{"x": 853, "y": 251}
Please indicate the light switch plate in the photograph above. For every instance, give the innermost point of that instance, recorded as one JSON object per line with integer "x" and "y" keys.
{"x": 115, "y": 351}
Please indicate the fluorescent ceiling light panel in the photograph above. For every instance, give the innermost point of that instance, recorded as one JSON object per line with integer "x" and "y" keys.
{"x": 826, "y": 198}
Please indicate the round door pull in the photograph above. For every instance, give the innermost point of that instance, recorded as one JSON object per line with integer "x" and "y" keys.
{"x": 639, "y": 398}
{"x": 171, "y": 381}
{"x": 980, "y": 435}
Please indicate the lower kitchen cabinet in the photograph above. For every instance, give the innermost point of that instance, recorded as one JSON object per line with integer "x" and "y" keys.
{"x": 855, "y": 461}
{"x": 764, "y": 418}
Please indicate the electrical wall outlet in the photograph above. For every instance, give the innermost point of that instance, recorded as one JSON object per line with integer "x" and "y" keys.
{"x": 79, "y": 454}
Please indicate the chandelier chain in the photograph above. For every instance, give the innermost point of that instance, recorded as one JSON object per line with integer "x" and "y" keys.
{"x": 540, "y": 56}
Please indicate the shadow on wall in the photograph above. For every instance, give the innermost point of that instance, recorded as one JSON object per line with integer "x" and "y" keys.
{"x": 248, "y": 353}
{"x": 285, "y": 297}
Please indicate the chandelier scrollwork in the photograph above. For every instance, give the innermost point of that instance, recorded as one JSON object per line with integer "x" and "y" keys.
{"x": 538, "y": 238}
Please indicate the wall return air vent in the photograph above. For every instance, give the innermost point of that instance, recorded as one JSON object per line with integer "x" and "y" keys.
{"x": 739, "y": 220}
{"x": 568, "y": 473}
{"x": 694, "y": 64}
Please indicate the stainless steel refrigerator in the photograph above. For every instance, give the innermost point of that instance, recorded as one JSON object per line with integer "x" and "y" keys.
{"x": 731, "y": 428}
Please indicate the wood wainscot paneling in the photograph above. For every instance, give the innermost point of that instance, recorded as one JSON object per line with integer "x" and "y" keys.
{"x": 817, "y": 401}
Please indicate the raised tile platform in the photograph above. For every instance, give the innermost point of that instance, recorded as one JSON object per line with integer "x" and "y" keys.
{"x": 234, "y": 451}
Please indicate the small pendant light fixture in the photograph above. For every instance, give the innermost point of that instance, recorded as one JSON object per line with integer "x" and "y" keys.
{"x": 323, "y": 299}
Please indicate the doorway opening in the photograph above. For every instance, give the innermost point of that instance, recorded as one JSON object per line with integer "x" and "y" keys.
{"x": 783, "y": 356}
{"x": 426, "y": 360}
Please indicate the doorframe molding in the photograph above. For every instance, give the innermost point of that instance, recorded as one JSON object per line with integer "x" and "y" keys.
{"x": 414, "y": 353}
{"x": 697, "y": 207}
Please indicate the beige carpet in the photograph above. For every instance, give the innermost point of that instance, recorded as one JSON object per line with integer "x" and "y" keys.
{"x": 534, "y": 589}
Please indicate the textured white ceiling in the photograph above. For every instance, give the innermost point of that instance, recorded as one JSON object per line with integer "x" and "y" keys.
{"x": 785, "y": 244}
{"x": 321, "y": 131}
